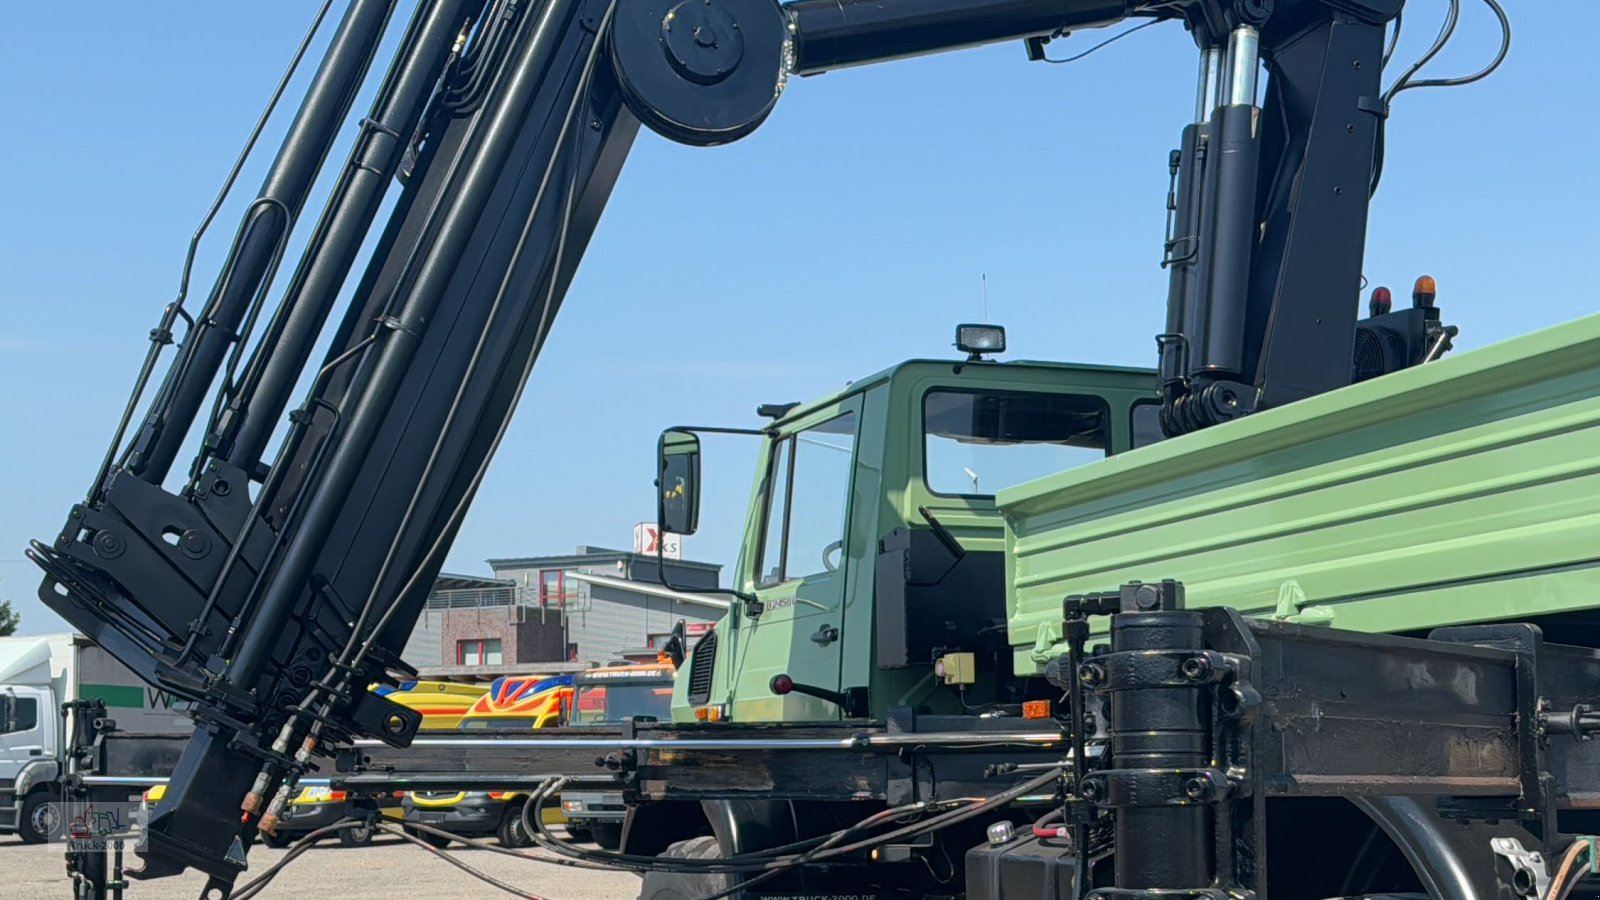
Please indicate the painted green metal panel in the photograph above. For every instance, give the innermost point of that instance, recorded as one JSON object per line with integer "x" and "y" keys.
{"x": 116, "y": 696}
{"x": 1460, "y": 491}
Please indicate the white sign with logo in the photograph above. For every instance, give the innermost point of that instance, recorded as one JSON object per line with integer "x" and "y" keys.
{"x": 648, "y": 539}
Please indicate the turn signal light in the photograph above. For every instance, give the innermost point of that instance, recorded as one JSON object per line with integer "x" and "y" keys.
{"x": 1036, "y": 709}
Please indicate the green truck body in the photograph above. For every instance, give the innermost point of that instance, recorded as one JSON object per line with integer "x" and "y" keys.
{"x": 1460, "y": 491}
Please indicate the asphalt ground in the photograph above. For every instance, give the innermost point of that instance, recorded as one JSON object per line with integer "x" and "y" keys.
{"x": 387, "y": 869}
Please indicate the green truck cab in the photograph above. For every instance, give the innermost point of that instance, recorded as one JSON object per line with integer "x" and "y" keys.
{"x": 873, "y": 547}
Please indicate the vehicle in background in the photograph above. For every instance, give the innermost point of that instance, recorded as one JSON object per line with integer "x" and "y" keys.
{"x": 312, "y": 808}
{"x": 37, "y": 675}
{"x": 442, "y": 703}
{"x": 510, "y": 704}
{"x": 520, "y": 704}
{"x": 606, "y": 696}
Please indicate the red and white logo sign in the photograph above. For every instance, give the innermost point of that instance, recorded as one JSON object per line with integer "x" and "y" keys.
{"x": 650, "y": 540}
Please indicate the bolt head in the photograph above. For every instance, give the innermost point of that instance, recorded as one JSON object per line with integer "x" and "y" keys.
{"x": 1197, "y": 788}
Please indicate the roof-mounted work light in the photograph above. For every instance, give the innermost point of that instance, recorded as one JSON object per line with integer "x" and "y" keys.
{"x": 976, "y": 340}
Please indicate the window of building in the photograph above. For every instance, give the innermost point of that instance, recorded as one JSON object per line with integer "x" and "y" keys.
{"x": 810, "y": 498}
{"x": 551, "y": 584}
{"x": 479, "y": 652}
{"x": 979, "y": 442}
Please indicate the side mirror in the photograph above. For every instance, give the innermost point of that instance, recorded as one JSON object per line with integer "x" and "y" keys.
{"x": 676, "y": 647}
{"x": 678, "y": 482}
{"x": 8, "y": 715}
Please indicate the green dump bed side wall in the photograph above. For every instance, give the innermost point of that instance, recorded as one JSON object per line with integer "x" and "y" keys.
{"x": 1463, "y": 490}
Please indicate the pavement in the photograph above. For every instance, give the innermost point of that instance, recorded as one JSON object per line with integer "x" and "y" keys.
{"x": 387, "y": 869}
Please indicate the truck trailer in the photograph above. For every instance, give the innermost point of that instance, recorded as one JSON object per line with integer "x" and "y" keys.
{"x": 38, "y": 676}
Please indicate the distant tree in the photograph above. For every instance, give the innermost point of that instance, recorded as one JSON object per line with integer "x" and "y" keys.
{"x": 9, "y": 620}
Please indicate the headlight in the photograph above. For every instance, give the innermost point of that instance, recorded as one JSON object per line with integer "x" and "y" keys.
{"x": 572, "y": 806}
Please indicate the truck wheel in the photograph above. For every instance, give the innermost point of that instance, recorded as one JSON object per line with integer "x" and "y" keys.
{"x": 511, "y": 832}
{"x": 682, "y": 885}
{"x": 356, "y": 835}
{"x": 276, "y": 841}
{"x": 433, "y": 840}
{"x": 38, "y": 818}
{"x": 609, "y": 837}
{"x": 579, "y": 833}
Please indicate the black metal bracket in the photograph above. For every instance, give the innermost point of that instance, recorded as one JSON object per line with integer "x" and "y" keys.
{"x": 1123, "y": 788}
{"x": 1211, "y": 715}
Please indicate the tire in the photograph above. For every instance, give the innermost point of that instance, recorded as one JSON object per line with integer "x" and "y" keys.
{"x": 356, "y": 835}
{"x": 579, "y": 834}
{"x": 609, "y": 837}
{"x": 511, "y": 832}
{"x": 681, "y": 885}
{"x": 437, "y": 841}
{"x": 36, "y": 822}
{"x": 276, "y": 841}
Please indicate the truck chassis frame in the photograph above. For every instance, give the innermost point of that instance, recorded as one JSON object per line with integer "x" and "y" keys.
{"x": 1465, "y": 747}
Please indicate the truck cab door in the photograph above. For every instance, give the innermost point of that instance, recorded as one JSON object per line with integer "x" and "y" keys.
{"x": 800, "y": 569}
{"x": 26, "y": 727}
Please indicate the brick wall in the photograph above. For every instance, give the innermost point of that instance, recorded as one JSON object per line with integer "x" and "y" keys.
{"x": 540, "y": 642}
{"x": 520, "y": 642}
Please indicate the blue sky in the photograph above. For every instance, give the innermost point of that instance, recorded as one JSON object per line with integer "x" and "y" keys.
{"x": 847, "y": 233}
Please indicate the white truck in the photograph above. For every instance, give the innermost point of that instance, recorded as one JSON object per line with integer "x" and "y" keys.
{"x": 37, "y": 675}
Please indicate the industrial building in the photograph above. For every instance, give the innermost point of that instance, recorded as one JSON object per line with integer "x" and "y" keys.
{"x": 549, "y": 614}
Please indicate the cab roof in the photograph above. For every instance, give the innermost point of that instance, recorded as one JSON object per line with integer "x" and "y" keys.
{"x": 912, "y": 365}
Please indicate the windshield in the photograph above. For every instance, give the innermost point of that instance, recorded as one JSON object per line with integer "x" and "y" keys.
{"x": 617, "y": 702}
{"x": 977, "y": 443}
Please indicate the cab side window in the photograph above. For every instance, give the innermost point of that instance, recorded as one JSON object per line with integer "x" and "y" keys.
{"x": 978, "y": 442}
{"x": 1145, "y": 420}
{"x": 809, "y": 499}
{"x": 18, "y": 714}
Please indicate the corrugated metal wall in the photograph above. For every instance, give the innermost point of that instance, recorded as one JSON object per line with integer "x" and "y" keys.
{"x": 424, "y": 647}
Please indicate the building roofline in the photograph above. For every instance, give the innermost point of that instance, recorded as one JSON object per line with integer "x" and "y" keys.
{"x": 482, "y": 582}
